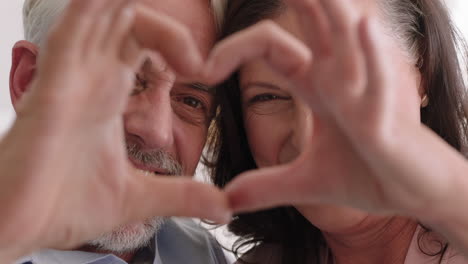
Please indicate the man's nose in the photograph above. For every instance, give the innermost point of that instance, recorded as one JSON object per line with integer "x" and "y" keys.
{"x": 149, "y": 119}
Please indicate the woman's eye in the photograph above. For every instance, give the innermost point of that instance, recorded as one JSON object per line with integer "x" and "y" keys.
{"x": 267, "y": 97}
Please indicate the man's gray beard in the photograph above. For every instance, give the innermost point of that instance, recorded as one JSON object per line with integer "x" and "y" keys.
{"x": 130, "y": 238}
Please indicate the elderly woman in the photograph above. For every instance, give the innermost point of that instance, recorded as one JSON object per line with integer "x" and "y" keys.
{"x": 334, "y": 123}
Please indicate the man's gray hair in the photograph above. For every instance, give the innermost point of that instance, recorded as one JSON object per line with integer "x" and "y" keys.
{"x": 38, "y": 16}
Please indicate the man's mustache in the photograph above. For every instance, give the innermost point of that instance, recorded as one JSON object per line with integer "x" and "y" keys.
{"x": 155, "y": 159}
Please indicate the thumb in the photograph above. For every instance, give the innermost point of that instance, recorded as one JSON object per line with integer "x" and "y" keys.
{"x": 270, "y": 187}
{"x": 166, "y": 196}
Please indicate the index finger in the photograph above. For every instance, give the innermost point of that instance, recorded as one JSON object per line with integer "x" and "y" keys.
{"x": 314, "y": 23}
{"x": 265, "y": 40}
{"x": 169, "y": 38}
{"x": 341, "y": 14}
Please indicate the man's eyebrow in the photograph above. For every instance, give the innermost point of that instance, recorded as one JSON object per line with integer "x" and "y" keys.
{"x": 201, "y": 87}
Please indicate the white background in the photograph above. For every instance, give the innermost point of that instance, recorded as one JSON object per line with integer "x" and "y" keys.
{"x": 11, "y": 31}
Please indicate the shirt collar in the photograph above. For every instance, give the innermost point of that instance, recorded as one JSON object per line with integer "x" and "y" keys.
{"x": 74, "y": 257}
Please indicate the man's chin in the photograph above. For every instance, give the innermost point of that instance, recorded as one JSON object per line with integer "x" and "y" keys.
{"x": 128, "y": 238}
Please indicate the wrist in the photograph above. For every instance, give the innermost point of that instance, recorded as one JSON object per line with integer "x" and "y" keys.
{"x": 27, "y": 152}
{"x": 447, "y": 214}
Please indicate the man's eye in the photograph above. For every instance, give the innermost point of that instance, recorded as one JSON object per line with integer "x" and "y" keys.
{"x": 193, "y": 102}
{"x": 191, "y": 109}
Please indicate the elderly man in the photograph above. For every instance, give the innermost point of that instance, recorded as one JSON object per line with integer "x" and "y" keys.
{"x": 166, "y": 125}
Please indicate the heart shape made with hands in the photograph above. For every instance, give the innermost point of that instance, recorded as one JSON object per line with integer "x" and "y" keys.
{"x": 342, "y": 77}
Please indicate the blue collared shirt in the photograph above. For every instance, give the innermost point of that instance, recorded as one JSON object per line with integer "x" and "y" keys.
{"x": 178, "y": 241}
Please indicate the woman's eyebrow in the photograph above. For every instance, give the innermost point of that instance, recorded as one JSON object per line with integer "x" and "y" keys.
{"x": 260, "y": 84}
{"x": 201, "y": 88}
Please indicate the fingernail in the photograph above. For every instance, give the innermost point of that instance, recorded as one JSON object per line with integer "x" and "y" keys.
{"x": 224, "y": 218}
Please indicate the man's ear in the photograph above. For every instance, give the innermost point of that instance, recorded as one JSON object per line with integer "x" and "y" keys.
{"x": 23, "y": 69}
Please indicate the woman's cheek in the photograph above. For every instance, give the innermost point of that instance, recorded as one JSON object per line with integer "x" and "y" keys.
{"x": 266, "y": 135}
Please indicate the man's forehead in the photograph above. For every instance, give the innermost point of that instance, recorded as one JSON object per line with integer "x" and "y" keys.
{"x": 196, "y": 15}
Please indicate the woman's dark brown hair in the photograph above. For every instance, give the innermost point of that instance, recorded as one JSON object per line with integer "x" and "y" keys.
{"x": 425, "y": 28}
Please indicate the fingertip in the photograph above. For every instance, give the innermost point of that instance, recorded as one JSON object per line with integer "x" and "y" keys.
{"x": 223, "y": 218}
{"x": 241, "y": 203}
{"x": 239, "y": 198}
{"x": 191, "y": 67}
{"x": 209, "y": 77}
{"x": 302, "y": 63}
{"x": 237, "y": 204}
{"x": 215, "y": 207}
{"x": 206, "y": 201}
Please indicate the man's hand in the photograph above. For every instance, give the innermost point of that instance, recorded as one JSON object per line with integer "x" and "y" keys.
{"x": 65, "y": 177}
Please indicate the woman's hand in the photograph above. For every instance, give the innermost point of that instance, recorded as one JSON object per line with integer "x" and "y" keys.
{"x": 365, "y": 149}
{"x": 65, "y": 177}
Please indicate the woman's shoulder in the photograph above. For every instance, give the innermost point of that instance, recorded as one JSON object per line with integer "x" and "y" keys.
{"x": 454, "y": 256}
{"x": 423, "y": 246}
